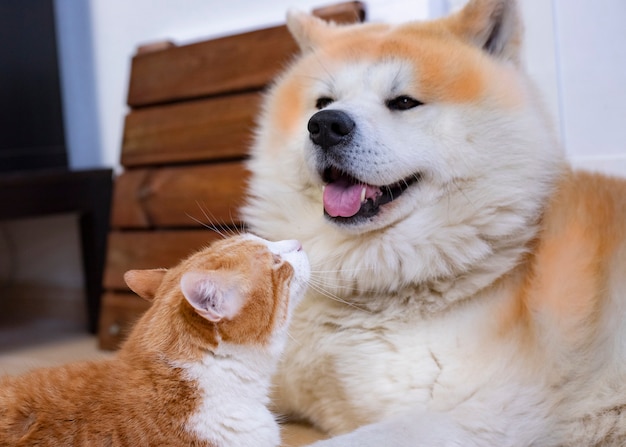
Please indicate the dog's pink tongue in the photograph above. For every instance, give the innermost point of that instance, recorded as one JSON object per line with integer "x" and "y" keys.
{"x": 343, "y": 198}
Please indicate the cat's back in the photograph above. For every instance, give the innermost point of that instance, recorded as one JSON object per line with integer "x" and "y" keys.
{"x": 46, "y": 406}
{"x": 95, "y": 403}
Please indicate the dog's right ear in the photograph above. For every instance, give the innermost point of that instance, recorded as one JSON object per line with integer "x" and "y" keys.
{"x": 493, "y": 25}
{"x": 308, "y": 31}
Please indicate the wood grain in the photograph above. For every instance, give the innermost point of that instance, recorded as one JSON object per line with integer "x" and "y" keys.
{"x": 230, "y": 64}
{"x": 209, "y": 129}
{"x": 120, "y": 311}
{"x": 182, "y": 196}
{"x": 150, "y": 249}
{"x": 342, "y": 13}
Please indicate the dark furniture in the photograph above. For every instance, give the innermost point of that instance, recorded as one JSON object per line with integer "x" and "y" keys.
{"x": 34, "y": 175}
{"x": 58, "y": 191}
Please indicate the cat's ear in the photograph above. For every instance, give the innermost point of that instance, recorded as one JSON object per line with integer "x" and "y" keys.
{"x": 493, "y": 25}
{"x": 145, "y": 282}
{"x": 213, "y": 295}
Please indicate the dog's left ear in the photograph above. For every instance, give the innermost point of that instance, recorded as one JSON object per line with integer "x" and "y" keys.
{"x": 308, "y": 31}
{"x": 493, "y": 25}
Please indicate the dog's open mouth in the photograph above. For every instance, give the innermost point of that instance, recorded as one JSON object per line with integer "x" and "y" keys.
{"x": 346, "y": 197}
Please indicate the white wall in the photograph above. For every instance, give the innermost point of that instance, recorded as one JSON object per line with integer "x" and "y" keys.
{"x": 591, "y": 60}
{"x": 79, "y": 85}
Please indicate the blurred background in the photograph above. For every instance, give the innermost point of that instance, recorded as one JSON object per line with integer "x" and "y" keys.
{"x": 574, "y": 50}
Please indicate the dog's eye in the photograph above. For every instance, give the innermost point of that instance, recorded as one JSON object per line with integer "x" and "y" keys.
{"x": 403, "y": 102}
{"x": 323, "y": 102}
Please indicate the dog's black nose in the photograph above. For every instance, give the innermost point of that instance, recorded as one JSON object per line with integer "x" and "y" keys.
{"x": 328, "y": 128}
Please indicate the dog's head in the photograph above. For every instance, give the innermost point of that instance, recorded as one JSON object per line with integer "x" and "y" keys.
{"x": 426, "y": 130}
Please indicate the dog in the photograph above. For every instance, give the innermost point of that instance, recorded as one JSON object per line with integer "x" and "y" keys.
{"x": 468, "y": 286}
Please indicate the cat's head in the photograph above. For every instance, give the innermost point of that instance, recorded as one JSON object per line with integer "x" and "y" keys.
{"x": 239, "y": 290}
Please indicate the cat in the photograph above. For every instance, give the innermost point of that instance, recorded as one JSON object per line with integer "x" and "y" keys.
{"x": 195, "y": 369}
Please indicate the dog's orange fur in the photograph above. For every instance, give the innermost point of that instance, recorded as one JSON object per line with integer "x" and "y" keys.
{"x": 583, "y": 232}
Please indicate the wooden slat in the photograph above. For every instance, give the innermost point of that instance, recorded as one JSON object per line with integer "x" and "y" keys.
{"x": 120, "y": 311}
{"x": 230, "y": 64}
{"x": 129, "y": 250}
{"x": 128, "y": 190}
{"x": 342, "y": 13}
{"x": 155, "y": 46}
{"x": 209, "y": 129}
{"x": 174, "y": 197}
{"x": 235, "y": 63}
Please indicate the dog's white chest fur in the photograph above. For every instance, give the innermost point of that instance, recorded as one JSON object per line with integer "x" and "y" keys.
{"x": 377, "y": 365}
{"x": 370, "y": 367}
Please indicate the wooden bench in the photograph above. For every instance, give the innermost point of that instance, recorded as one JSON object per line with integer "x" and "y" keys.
{"x": 185, "y": 141}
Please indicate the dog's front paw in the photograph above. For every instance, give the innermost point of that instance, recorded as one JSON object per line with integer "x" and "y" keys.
{"x": 339, "y": 441}
{"x": 408, "y": 430}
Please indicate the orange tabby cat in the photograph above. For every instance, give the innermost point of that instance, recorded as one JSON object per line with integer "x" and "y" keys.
{"x": 195, "y": 370}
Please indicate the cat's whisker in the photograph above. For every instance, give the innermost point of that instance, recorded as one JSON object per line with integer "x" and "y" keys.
{"x": 338, "y": 259}
{"x": 293, "y": 339}
{"x": 209, "y": 224}
{"x": 236, "y": 227}
{"x": 218, "y": 227}
{"x": 224, "y": 231}
{"x": 325, "y": 273}
{"x": 323, "y": 283}
{"x": 335, "y": 276}
{"x": 334, "y": 297}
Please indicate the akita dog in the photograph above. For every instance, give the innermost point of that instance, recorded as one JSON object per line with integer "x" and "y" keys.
{"x": 469, "y": 288}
